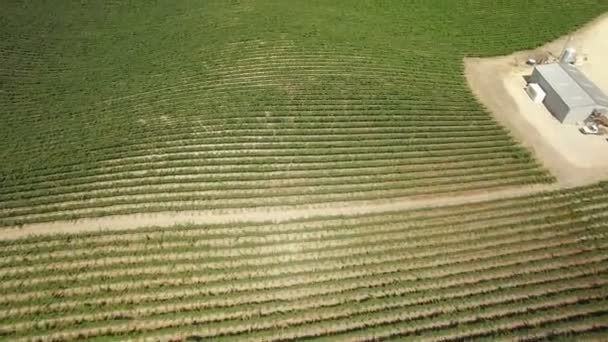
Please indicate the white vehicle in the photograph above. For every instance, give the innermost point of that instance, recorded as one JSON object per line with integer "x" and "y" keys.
{"x": 590, "y": 129}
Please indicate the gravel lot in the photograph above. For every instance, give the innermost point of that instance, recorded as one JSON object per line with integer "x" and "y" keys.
{"x": 575, "y": 159}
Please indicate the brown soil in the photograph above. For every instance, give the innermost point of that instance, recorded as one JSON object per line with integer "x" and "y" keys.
{"x": 277, "y": 215}
{"x": 498, "y": 83}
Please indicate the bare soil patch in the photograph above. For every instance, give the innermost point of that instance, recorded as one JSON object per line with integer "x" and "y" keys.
{"x": 275, "y": 214}
{"x": 575, "y": 159}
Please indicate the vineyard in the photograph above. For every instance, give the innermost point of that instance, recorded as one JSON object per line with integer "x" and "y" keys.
{"x": 232, "y": 106}
{"x": 131, "y": 112}
{"x": 532, "y": 267}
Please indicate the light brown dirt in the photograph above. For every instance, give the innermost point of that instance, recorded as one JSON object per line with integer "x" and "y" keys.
{"x": 575, "y": 159}
{"x": 276, "y": 215}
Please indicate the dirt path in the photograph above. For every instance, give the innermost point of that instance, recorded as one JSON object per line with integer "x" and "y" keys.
{"x": 277, "y": 215}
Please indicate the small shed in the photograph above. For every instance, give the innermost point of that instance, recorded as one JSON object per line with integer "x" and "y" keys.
{"x": 570, "y": 96}
{"x": 535, "y": 92}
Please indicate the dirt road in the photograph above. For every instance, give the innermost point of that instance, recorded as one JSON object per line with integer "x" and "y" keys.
{"x": 276, "y": 215}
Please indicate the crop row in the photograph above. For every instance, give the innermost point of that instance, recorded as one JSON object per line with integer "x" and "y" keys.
{"x": 337, "y": 301}
{"x": 196, "y": 170}
{"x": 278, "y": 248}
{"x": 248, "y": 82}
{"x": 184, "y": 118}
{"x": 319, "y": 98}
{"x": 149, "y": 241}
{"x": 381, "y": 124}
{"x": 262, "y": 143}
{"x": 221, "y": 241}
{"x": 197, "y": 285}
{"x": 306, "y": 266}
{"x": 240, "y": 198}
{"x": 263, "y": 127}
{"x": 274, "y": 136}
{"x": 176, "y": 138}
{"x": 515, "y": 256}
{"x": 196, "y": 203}
{"x": 377, "y": 312}
{"x": 463, "y": 286}
{"x": 170, "y": 161}
{"x": 286, "y": 131}
{"x": 476, "y": 249}
{"x": 410, "y": 220}
{"x": 227, "y": 180}
{"x": 477, "y": 280}
{"x": 324, "y": 100}
{"x": 415, "y": 177}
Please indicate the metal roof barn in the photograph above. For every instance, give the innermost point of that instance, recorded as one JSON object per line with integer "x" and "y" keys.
{"x": 571, "y": 96}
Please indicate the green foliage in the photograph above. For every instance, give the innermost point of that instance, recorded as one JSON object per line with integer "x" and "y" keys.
{"x": 516, "y": 268}
{"x": 97, "y": 95}
{"x": 120, "y": 107}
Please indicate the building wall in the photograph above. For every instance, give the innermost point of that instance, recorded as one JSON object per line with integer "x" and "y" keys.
{"x": 557, "y": 106}
{"x": 578, "y": 114}
{"x": 553, "y": 101}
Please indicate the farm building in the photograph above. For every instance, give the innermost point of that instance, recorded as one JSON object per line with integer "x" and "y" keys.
{"x": 570, "y": 96}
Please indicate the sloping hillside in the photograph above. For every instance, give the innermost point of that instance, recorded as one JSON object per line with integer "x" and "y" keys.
{"x": 124, "y": 107}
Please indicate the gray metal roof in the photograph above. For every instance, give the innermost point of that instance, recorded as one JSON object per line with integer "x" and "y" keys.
{"x": 572, "y": 85}
{"x": 590, "y": 88}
